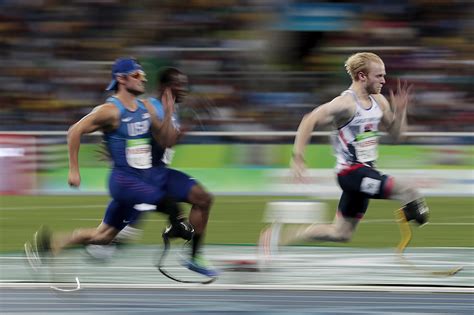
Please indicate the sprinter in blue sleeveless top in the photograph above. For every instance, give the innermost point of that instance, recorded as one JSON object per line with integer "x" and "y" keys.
{"x": 129, "y": 126}
{"x": 178, "y": 185}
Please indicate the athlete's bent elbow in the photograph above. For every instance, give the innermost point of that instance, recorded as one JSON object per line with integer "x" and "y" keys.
{"x": 73, "y": 132}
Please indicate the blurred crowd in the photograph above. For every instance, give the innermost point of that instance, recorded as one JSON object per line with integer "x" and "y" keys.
{"x": 253, "y": 65}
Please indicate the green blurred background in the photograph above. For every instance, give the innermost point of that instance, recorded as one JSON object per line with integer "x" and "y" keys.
{"x": 235, "y": 220}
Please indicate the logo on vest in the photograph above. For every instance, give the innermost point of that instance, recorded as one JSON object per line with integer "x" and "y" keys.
{"x": 138, "y": 128}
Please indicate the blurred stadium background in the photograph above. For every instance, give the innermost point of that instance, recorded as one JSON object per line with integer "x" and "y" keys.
{"x": 255, "y": 68}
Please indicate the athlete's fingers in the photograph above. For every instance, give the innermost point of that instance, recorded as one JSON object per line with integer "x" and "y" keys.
{"x": 410, "y": 93}
{"x": 407, "y": 89}
{"x": 399, "y": 85}
{"x": 74, "y": 179}
{"x": 171, "y": 96}
{"x": 298, "y": 175}
{"x": 167, "y": 96}
{"x": 169, "y": 100}
{"x": 74, "y": 183}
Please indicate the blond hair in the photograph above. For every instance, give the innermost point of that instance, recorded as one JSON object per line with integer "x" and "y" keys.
{"x": 360, "y": 62}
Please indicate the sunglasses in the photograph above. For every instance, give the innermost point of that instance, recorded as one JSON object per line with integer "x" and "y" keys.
{"x": 139, "y": 75}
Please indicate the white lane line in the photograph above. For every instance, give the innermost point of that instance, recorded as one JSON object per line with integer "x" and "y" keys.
{"x": 100, "y": 219}
{"x": 184, "y": 295}
{"x": 290, "y": 300}
{"x": 234, "y": 221}
{"x": 430, "y": 223}
{"x": 451, "y": 223}
{"x": 102, "y": 206}
{"x": 254, "y": 287}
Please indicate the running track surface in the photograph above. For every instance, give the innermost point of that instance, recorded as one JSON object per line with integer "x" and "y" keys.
{"x": 242, "y": 301}
{"x": 299, "y": 280}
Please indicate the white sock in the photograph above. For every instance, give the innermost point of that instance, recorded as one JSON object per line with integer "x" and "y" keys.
{"x": 101, "y": 251}
{"x": 129, "y": 234}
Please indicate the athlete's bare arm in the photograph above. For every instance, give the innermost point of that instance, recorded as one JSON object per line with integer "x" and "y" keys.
{"x": 336, "y": 113}
{"x": 103, "y": 117}
{"x": 164, "y": 132}
{"x": 395, "y": 112}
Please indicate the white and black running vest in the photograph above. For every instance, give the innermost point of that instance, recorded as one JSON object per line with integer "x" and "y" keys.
{"x": 356, "y": 141}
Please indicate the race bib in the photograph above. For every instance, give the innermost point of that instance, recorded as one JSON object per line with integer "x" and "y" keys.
{"x": 138, "y": 153}
{"x": 365, "y": 145}
{"x": 168, "y": 156}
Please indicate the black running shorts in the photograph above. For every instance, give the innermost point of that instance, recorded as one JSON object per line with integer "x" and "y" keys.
{"x": 360, "y": 183}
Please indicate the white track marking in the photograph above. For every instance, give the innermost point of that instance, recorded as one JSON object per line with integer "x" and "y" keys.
{"x": 57, "y": 288}
{"x": 252, "y": 287}
{"x": 101, "y": 206}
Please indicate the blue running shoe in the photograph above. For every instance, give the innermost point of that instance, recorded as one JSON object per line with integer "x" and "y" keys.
{"x": 200, "y": 265}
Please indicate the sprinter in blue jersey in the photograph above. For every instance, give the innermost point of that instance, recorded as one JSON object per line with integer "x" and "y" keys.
{"x": 177, "y": 185}
{"x": 128, "y": 125}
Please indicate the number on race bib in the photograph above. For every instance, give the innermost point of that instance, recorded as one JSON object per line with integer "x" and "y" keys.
{"x": 365, "y": 146}
{"x": 138, "y": 153}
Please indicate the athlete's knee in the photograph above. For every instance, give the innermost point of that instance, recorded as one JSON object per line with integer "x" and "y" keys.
{"x": 344, "y": 228}
{"x": 405, "y": 192}
{"x": 201, "y": 198}
{"x": 412, "y": 193}
{"x": 208, "y": 200}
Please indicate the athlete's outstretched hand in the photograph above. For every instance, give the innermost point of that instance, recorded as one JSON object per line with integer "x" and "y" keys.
{"x": 74, "y": 178}
{"x": 401, "y": 97}
{"x": 168, "y": 101}
{"x": 298, "y": 168}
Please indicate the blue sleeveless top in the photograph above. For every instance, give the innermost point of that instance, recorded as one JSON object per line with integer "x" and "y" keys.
{"x": 130, "y": 144}
{"x": 157, "y": 150}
